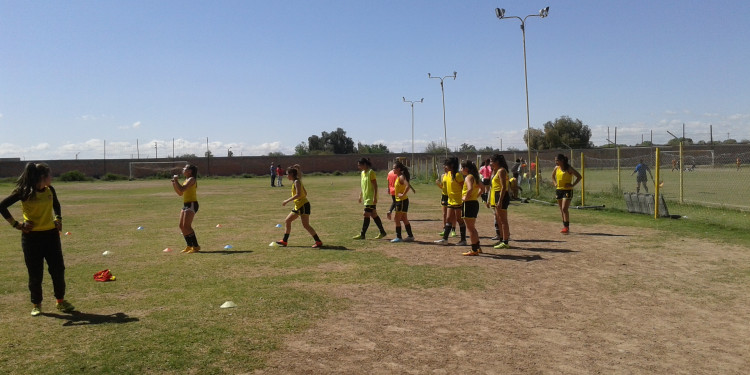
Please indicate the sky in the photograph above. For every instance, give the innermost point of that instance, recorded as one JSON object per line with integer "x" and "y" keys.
{"x": 144, "y": 79}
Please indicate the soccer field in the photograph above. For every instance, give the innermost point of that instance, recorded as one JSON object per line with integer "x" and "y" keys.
{"x": 607, "y": 298}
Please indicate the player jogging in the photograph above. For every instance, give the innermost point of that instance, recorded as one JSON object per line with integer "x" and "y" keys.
{"x": 301, "y": 207}
{"x": 562, "y": 176}
{"x": 189, "y": 192}
{"x": 369, "y": 197}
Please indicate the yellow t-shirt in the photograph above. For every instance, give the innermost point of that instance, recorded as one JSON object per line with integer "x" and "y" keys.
{"x": 563, "y": 178}
{"x": 38, "y": 209}
{"x": 473, "y": 194}
{"x": 498, "y": 185}
{"x": 190, "y": 194}
{"x": 445, "y": 183}
{"x": 400, "y": 188}
{"x": 454, "y": 188}
{"x": 299, "y": 202}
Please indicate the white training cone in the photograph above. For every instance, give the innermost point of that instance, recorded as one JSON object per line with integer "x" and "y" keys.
{"x": 278, "y": 225}
{"x": 227, "y": 305}
{"x": 273, "y": 244}
{"x": 139, "y": 228}
{"x": 218, "y": 225}
{"x": 167, "y": 250}
{"x": 105, "y": 253}
{"x": 67, "y": 233}
{"x": 228, "y": 247}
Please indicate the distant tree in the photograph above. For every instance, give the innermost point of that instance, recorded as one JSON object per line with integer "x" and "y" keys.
{"x": 513, "y": 149}
{"x": 187, "y": 156}
{"x": 335, "y": 142}
{"x": 467, "y": 148}
{"x": 537, "y": 139}
{"x": 436, "y": 148}
{"x": 208, "y": 154}
{"x": 676, "y": 141}
{"x": 301, "y": 149}
{"x": 745, "y": 141}
{"x": 372, "y": 149}
{"x": 488, "y": 150}
{"x": 566, "y": 132}
{"x": 644, "y": 144}
{"x": 730, "y": 141}
{"x": 275, "y": 153}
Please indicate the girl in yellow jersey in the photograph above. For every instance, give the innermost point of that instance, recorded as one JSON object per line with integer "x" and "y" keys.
{"x": 369, "y": 197}
{"x": 301, "y": 207}
{"x": 471, "y": 190}
{"x": 500, "y": 200}
{"x": 40, "y": 238}
{"x": 401, "y": 188}
{"x": 189, "y": 192}
{"x": 453, "y": 185}
{"x": 562, "y": 176}
{"x": 443, "y": 185}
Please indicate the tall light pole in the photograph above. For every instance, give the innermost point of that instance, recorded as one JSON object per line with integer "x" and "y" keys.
{"x": 412, "y": 123}
{"x": 442, "y": 90}
{"x": 500, "y": 13}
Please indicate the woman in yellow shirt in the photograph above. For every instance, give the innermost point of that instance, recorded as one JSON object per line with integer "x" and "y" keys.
{"x": 471, "y": 190}
{"x": 189, "y": 192}
{"x": 401, "y": 188}
{"x": 562, "y": 176}
{"x": 301, "y": 207}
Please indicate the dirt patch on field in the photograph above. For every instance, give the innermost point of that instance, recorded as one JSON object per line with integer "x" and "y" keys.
{"x": 601, "y": 300}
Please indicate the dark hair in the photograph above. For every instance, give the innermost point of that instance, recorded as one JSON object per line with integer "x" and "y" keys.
{"x": 564, "y": 160}
{"x": 472, "y": 168}
{"x": 33, "y": 173}
{"x": 487, "y": 162}
{"x": 193, "y": 170}
{"x": 365, "y": 161}
{"x": 405, "y": 172}
{"x": 452, "y": 164}
{"x": 294, "y": 171}
{"x": 500, "y": 160}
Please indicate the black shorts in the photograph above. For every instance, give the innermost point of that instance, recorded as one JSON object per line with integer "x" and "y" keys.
{"x": 190, "y": 206}
{"x": 304, "y": 210}
{"x": 402, "y": 206}
{"x": 563, "y": 194}
{"x": 369, "y": 207}
{"x": 486, "y": 181}
{"x": 505, "y": 202}
{"x": 471, "y": 209}
{"x": 456, "y": 206}
{"x": 444, "y": 200}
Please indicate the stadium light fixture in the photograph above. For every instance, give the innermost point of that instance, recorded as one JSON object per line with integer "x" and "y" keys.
{"x": 442, "y": 90}
{"x": 543, "y": 13}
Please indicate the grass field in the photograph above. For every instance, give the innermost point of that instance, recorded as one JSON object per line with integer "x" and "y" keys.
{"x": 162, "y": 313}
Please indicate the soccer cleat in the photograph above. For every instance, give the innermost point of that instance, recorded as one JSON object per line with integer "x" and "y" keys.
{"x": 441, "y": 241}
{"x": 281, "y": 243}
{"x": 470, "y": 253}
{"x": 317, "y": 244}
{"x": 36, "y": 310}
{"x": 496, "y": 238}
{"x": 381, "y": 235}
{"x": 397, "y": 240}
{"x": 358, "y": 237}
{"x": 409, "y": 239}
{"x": 453, "y": 234}
{"x": 502, "y": 245}
{"x": 64, "y": 306}
{"x": 479, "y": 250}
{"x": 565, "y": 230}
{"x": 187, "y": 250}
{"x": 461, "y": 243}
{"x": 441, "y": 234}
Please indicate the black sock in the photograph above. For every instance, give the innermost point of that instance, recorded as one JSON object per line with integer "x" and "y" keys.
{"x": 365, "y": 225}
{"x": 194, "y": 240}
{"x": 187, "y": 240}
{"x": 398, "y": 232}
{"x": 379, "y": 223}
{"x": 566, "y": 224}
{"x": 463, "y": 232}
{"x": 316, "y": 238}
{"x": 286, "y": 237}
{"x": 408, "y": 230}
{"x": 475, "y": 246}
{"x": 447, "y": 231}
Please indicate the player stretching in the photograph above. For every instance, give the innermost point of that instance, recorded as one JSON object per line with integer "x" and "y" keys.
{"x": 188, "y": 190}
{"x": 301, "y": 207}
{"x": 562, "y": 176}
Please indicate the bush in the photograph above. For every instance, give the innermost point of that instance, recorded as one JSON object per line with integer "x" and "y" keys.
{"x": 74, "y": 176}
{"x": 113, "y": 177}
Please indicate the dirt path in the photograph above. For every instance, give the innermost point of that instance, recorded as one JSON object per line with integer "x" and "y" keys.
{"x": 600, "y": 300}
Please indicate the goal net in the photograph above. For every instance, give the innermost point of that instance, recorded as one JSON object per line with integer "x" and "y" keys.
{"x": 155, "y": 169}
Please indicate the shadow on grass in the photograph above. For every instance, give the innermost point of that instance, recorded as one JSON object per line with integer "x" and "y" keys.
{"x": 543, "y": 241}
{"x": 77, "y": 318}
{"x": 603, "y": 234}
{"x": 225, "y": 252}
{"x": 546, "y": 250}
{"x": 517, "y": 258}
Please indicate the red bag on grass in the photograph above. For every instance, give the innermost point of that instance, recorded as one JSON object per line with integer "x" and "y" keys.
{"x": 104, "y": 276}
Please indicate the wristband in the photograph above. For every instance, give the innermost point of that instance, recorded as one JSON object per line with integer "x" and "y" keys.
{"x": 15, "y": 224}
{"x": 58, "y": 217}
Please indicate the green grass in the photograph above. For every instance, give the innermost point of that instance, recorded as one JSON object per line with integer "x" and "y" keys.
{"x": 162, "y": 313}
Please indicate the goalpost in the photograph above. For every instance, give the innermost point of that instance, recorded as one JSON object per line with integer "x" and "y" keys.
{"x": 691, "y": 159}
{"x": 141, "y": 169}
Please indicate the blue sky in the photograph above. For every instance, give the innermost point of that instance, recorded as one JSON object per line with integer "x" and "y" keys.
{"x": 262, "y": 76}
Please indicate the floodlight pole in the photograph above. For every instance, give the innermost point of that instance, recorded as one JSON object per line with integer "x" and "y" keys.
{"x": 500, "y": 13}
{"x": 442, "y": 90}
{"x": 412, "y": 124}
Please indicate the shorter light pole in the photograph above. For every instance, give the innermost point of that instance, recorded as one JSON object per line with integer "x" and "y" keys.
{"x": 442, "y": 90}
{"x": 412, "y": 124}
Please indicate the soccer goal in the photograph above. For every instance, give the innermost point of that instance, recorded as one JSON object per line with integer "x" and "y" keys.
{"x": 166, "y": 169}
{"x": 691, "y": 159}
